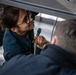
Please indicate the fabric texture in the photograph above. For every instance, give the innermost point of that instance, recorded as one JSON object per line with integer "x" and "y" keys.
{"x": 53, "y": 60}
{"x": 14, "y": 44}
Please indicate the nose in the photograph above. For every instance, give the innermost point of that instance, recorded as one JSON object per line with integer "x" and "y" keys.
{"x": 31, "y": 19}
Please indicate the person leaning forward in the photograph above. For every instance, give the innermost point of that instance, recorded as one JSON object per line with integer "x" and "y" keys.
{"x": 18, "y": 35}
{"x": 56, "y": 58}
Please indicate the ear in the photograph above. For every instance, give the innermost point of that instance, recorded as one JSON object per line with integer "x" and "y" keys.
{"x": 14, "y": 29}
{"x": 54, "y": 40}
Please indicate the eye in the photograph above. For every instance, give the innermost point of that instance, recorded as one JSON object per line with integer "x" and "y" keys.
{"x": 26, "y": 19}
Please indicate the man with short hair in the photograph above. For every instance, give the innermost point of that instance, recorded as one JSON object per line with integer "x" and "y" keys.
{"x": 57, "y": 58}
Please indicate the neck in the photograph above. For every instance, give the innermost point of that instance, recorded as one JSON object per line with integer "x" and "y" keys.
{"x": 21, "y": 33}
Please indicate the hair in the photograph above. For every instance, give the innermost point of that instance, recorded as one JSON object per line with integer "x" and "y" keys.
{"x": 66, "y": 35}
{"x": 1, "y": 36}
{"x": 10, "y": 16}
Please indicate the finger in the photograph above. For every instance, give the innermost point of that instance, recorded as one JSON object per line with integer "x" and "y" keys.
{"x": 35, "y": 37}
{"x": 40, "y": 39}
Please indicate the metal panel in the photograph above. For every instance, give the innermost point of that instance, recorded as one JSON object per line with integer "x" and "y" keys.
{"x": 59, "y": 8}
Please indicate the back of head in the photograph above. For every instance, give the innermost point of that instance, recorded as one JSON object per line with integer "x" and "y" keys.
{"x": 66, "y": 35}
{"x": 10, "y": 16}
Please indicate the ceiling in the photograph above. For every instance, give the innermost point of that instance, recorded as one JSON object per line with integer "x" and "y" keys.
{"x": 61, "y": 8}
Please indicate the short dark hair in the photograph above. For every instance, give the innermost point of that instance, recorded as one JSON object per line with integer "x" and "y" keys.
{"x": 1, "y": 36}
{"x": 10, "y": 16}
{"x": 66, "y": 35}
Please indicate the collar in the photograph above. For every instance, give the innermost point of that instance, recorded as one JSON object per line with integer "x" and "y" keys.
{"x": 24, "y": 41}
{"x": 59, "y": 55}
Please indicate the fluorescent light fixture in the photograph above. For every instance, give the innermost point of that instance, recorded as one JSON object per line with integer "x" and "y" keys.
{"x": 50, "y": 17}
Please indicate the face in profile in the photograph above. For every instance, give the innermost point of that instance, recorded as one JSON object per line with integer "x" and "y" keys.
{"x": 25, "y": 23}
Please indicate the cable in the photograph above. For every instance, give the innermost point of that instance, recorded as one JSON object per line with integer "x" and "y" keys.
{"x": 53, "y": 28}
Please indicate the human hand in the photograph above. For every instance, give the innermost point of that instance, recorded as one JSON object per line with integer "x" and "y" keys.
{"x": 41, "y": 41}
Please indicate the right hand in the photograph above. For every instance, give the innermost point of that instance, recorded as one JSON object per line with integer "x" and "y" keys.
{"x": 41, "y": 41}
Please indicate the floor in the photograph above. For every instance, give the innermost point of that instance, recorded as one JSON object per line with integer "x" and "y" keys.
{"x": 46, "y": 30}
